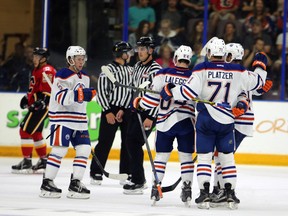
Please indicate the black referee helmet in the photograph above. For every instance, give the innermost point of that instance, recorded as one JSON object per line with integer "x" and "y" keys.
{"x": 121, "y": 47}
{"x": 146, "y": 41}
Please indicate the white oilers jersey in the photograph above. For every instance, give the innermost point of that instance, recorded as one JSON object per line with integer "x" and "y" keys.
{"x": 221, "y": 83}
{"x": 173, "y": 111}
{"x": 63, "y": 110}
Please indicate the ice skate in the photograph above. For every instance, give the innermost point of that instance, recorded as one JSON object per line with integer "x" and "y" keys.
{"x": 218, "y": 198}
{"x": 127, "y": 181}
{"x": 232, "y": 200}
{"x": 96, "y": 179}
{"x": 40, "y": 166}
{"x": 24, "y": 167}
{"x": 49, "y": 189}
{"x": 203, "y": 200}
{"x": 77, "y": 190}
{"x": 132, "y": 188}
{"x": 186, "y": 194}
{"x": 154, "y": 195}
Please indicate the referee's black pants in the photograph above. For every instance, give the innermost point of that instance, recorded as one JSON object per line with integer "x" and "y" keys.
{"x": 106, "y": 137}
{"x": 134, "y": 142}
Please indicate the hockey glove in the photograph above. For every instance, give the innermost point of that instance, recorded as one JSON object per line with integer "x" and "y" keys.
{"x": 268, "y": 85}
{"x": 24, "y": 102}
{"x": 136, "y": 105}
{"x": 86, "y": 94}
{"x": 37, "y": 105}
{"x": 240, "y": 109}
{"x": 166, "y": 93}
{"x": 260, "y": 60}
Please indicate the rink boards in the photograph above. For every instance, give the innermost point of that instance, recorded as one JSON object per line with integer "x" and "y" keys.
{"x": 268, "y": 146}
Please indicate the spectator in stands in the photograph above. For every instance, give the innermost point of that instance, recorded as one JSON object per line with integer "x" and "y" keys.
{"x": 230, "y": 33}
{"x": 222, "y": 10}
{"x": 246, "y": 8}
{"x": 196, "y": 58}
{"x": 276, "y": 67}
{"x": 258, "y": 46}
{"x": 172, "y": 13}
{"x": 142, "y": 30}
{"x": 141, "y": 12}
{"x": 193, "y": 9}
{"x": 250, "y": 39}
{"x": 260, "y": 14}
{"x": 196, "y": 34}
{"x": 11, "y": 67}
{"x": 167, "y": 35}
{"x": 165, "y": 56}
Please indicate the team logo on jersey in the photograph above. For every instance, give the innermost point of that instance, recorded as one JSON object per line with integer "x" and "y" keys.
{"x": 67, "y": 137}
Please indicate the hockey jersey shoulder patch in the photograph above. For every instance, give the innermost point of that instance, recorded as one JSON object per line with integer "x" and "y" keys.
{"x": 64, "y": 73}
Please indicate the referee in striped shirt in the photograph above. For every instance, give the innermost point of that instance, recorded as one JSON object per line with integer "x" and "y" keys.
{"x": 144, "y": 70}
{"x": 114, "y": 102}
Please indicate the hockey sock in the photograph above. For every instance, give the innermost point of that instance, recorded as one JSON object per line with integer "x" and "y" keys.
{"x": 218, "y": 173}
{"x": 187, "y": 166}
{"x": 160, "y": 161}
{"x": 40, "y": 147}
{"x": 204, "y": 168}
{"x": 229, "y": 172}
{"x": 80, "y": 161}
{"x": 27, "y": 147}
{"x": 54, "y": 161}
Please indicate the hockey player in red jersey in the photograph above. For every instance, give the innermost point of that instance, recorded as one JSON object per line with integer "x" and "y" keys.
{"x": 36, "y": 100}
{"x": 69, "y": 123}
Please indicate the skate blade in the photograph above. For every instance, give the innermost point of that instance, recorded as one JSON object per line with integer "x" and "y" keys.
{"x": 215, "y": 205}
{"x": 203, "y": 205}
{"x": 232, "y": 205}
{"x": 23, "y": 171}
{"x": 39, "y": 171}
{"x": 48, "y": 194}
{"x": 75, "y": 195}
{"x": 154, "y": 203}
{"x": 134, "y": 192}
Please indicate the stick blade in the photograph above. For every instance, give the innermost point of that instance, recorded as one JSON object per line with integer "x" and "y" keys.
{"x": 120, "y": 177}
{"x": 108, "y": 73}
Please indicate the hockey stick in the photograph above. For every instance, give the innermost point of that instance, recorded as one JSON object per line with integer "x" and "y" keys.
{"x": 121, "y": 176}
{"x": 47, "y": 79}
{"x": 111, "y": 77}
{"x": 142, "y": 85}
{"x": 173, "y": 186}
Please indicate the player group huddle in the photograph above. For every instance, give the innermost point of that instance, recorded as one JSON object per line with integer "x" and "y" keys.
{"x": 208, "y": 109}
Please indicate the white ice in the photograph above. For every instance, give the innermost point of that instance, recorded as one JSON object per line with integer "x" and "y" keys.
{"x": 263, "y": 190}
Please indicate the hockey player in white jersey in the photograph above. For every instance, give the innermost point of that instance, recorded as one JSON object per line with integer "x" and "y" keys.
{"x": 175, "y": 120}
{"x": 217, "y": 82}
{"x": 244, "y": 119}
{"x": 67, "y": 113}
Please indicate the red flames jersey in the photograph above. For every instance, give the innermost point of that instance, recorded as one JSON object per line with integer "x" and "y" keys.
{"x": 38, "y": 83}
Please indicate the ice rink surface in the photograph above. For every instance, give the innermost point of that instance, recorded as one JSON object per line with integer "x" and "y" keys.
{"x": 262, "y": 190}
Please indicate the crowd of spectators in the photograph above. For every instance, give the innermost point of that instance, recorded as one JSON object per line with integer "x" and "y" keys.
{"x": 256, "y": 24}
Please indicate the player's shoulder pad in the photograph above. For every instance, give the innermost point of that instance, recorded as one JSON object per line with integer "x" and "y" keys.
{"x": 235, "y": 67}
{"x": 64, "y": 73}
{"x": 200, "y": 66}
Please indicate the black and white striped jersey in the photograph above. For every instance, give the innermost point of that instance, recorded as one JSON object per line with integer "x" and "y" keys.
{"x": 142, "y": 73}
{"x": 109, "y": 94}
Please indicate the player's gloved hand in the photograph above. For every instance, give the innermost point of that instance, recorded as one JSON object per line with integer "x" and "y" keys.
{"x": 240, "y": 108}
{"x": 136, "y": 105}
{"x": 260, "y": 60}
{"x": 267, "y": 86}
{"x": 37, "y": 105}
{"x": 24, "y": 102}
{"x": 85, "y": 94}
{"x": 166, "y": 93}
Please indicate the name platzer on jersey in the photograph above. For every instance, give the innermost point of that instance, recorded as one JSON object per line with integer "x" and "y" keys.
{"x": 220, "y": 75}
